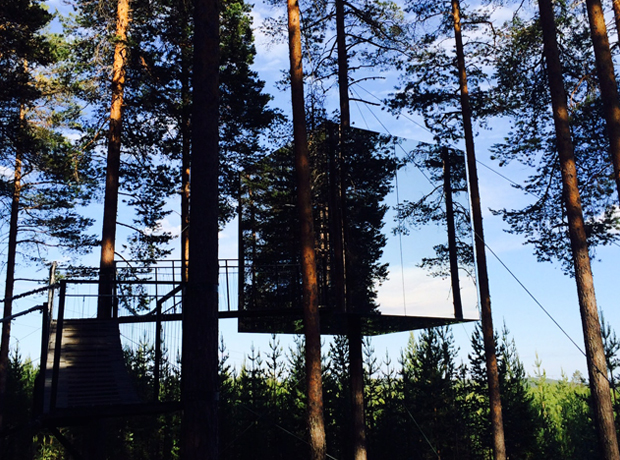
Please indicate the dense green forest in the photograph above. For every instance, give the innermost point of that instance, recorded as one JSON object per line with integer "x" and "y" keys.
{"x": 422, "y": 404}
{"x": 97, "y": 106}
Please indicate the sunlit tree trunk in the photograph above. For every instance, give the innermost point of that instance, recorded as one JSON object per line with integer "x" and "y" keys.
{"x": 616, "y": 8}
{"x": 499, "y": 445}
{"x": 607, "y": 80}
{"x": 110, "y": 205}
{"x": 316, "y": 425}
{"x": 200, "y": 381}
{"x": 595, "y": 353}
{"x": 185, "y": 143}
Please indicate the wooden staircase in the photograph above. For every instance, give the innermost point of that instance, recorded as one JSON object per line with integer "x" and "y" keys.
{"x": 90, "y": 370}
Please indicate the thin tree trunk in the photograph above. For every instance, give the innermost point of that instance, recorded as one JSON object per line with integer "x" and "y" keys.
{"x": 595, "y": 353}
{"x": 343, "y": 66}
{"x": 10, "y": 273}
{"x": 316, "y": 425}
{"x": 607, "y": 81}
{"x": 337, "y": 181}
{"x": 110, "y": 206}
{"x": 499, "y": 446}
{"x": 354, "y": 333}
{"x": 454, "y": 265}
{"x": 200, "y": 382}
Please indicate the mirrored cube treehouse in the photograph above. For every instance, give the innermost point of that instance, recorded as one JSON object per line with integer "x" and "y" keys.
{"x": 356, "y": 194}
{"x": 375, "y": 198}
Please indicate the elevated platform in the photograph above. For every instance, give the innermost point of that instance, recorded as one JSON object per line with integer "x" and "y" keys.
{"x": 290, "y": 321}
{"x": 85, "y": 375}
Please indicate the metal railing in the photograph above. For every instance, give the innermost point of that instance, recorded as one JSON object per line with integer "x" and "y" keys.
{"x": 141, "y": 295}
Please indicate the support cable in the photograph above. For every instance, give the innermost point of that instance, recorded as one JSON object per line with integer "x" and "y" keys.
{"x": 535, "y": 299}
{"x": 280, "y": 427}
{"x": 357, "y": 104}
{"x": 390, "y": 134}
{"x": 603, "y": 373}
{"x": 492, "y": 252}
{"x": 516, "y": 184}
{"x": 421, "y": 431}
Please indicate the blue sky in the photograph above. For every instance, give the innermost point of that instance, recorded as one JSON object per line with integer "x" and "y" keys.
{"x": 534, "y": 333}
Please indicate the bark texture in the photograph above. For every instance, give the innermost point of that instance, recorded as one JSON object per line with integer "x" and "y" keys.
{"x": 200, "y": 382}
{"x": 356, "y": 369}
{"x": 607, "y": 80}
{"x": 595, "y": 354}
{"x": 10, "y": 275}
{"x": 316, "y": 425}
{"x": 454, "y": 265}
{"x": 616, "y": 8}
{"x": 499, "y": 444}
{"x": 354, "y": 334}
{"x": 110, "y": 204}
{"x": 185, "y": 150}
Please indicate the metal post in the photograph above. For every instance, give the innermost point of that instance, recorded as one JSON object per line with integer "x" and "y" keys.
{"x": 241, "y": 249}
{"x": 45, "y": 337}
{"x": 114, "y": 294}
{"x": 156, "y": 371}
{"x": 227, "y": 285}
{"x": 58, "y": 344}
{"x": 157, "y": 364}
{"x": 46, "y": 314}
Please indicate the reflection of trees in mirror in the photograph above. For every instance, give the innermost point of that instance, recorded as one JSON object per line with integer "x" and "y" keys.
{"x": 269, "y": 222}
{"x": 431, "y": 207}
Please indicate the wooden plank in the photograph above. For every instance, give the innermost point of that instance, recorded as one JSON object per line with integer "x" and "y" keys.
{"x": 92, "y": 367}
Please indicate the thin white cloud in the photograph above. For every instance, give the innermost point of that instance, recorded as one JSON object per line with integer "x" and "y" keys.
{"x": 167, "y": 226}
{"x": 423, "y": 295}
{"x": 6, "y": 172}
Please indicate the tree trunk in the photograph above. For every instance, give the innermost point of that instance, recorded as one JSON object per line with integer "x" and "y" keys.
{"x": 354, "y": 333}
{"x": 185, "y": 145}
{"x": 200, "y": 382}
{"x": 616, "y": 8}
{"x": 10, "y": 273}
{"x": 343, "y": 66}
{"x": 337, "y": 181}
{"x": 356, "y": 370}
{"x": 595, "y": 354}
{"x": 454, "y": 264}
{"x": 316, "y": 426}
{"x": 607, "y": 81}
{"x": 110, "y": 206}
{"x": 499, "y": 446}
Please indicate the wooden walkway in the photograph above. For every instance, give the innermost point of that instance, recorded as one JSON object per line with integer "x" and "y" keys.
{"x": 92, "y": 372}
